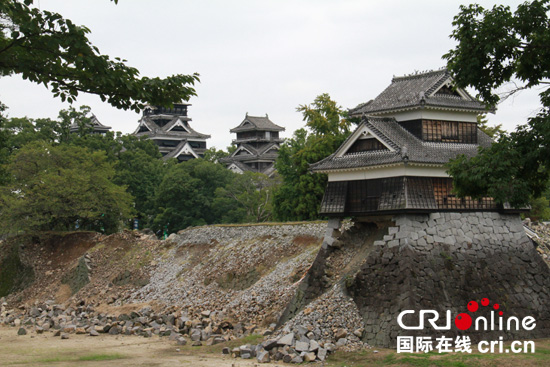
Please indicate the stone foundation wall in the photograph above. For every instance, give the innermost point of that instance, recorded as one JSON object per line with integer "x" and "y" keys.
{"x": 441, "y": 262}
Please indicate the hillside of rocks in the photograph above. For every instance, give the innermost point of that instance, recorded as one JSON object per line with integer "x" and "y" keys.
{"x": 202, "y": 285}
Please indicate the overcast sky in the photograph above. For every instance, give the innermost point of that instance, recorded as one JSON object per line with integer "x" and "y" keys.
{"x": 262, "y": 56}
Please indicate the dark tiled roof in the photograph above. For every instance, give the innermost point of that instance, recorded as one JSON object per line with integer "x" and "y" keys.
{"x": 157, "y": 131}
{"x": 256, "y": 153}
{"x": 258, "y": 123}
{"x": 416, "y": 91}
{"x": 267, "y": 147}
{"x": 393, "y": 134}
{"x": 174, "y": 151}
{"x": 94, "y": 124}
{"x": 243, "y": 167}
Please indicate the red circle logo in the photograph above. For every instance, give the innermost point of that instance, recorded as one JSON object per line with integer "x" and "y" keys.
{"x": 463, "y": 321}
{"x": 472, "y": 306}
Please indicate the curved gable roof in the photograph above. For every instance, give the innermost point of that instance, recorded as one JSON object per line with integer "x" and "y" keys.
{"x": 251, "y": 123}
{"x": 417, "y": 151}
{"x": 420, "y": 90}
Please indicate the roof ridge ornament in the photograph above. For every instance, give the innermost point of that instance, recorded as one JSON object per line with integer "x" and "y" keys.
{"x": 405, "y": 154}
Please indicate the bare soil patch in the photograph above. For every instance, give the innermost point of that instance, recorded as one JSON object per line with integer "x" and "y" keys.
{"x": 81, "y": 350}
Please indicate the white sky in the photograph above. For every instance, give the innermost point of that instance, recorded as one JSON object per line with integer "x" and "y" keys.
{"x": 261, "y": 56}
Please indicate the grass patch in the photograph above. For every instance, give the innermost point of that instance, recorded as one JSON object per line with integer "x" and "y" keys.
{"x": 257, "y": 224}
{"x": 71, "y": 358}
{"x": 48, "y": 360}
{"x": 101, "y": 357}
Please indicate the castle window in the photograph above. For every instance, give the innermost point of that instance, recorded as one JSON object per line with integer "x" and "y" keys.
{"x": 449, "y": 131}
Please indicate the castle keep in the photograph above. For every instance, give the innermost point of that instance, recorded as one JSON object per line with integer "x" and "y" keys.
{"x": 169, "y": 128}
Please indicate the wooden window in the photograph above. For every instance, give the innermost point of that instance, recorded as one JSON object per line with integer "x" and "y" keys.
{"x": 449, "y": 131}
{"x": 373, "y": 195}
{"x": 334, "y": 200}
{"x": 167, "y": 143}
{"x": 420, "y": 193}
{"x": 448, "y": 201}
{"x": 246, "y": 135}
{"x": 397, "y": 193}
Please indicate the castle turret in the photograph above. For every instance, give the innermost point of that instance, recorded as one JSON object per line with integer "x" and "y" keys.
{"x": 394, "y": 161}
{"x": 257, "y": 145}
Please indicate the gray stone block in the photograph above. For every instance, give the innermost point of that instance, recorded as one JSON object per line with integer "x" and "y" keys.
{"x": 450, "y": 240}
{"x": 334, "y": 223}
{"x": 421, "y": 242}
{"x": 287, "y": 339}
{"x": 393, "y": 243}
{"x": 263, "y": 356}
{"x": 302, "y": 346}
{"x": 313, "y": 346}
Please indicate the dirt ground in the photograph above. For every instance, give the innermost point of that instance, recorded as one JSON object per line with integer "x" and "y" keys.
{"x": 108, "y": 350}
{"x": 83, "y": 350}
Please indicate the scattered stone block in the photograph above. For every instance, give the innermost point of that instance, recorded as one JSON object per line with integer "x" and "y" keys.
{"x": 263, "y": 356}
{"x": 309, "y": 357}
{"x": 287, "y": 339}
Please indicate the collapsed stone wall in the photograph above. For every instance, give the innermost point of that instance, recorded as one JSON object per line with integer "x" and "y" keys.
{"x": 251, "y": 272}
{"x": 441, "y": 262}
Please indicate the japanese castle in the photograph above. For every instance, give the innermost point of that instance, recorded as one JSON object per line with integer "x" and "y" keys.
{"x": 394, "y": 161}
{"x": 257, "y": 146}
{"x": 169, "y": 128}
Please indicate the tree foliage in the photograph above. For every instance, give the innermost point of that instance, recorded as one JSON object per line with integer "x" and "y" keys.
{"x": 493, "y": 131}
{"x": 61, "y": 187}
{"x": 246, "y": 198}
{"x": 140, "y": 169}
{"x": 300, "y": 194}
{"x": 47, "y": 49}
{"x": 495, "y": 47}
{"x": 4, "y": 146}
{"x": 186, "y": 195}
{"x": 137, "y": 161}
{"x": 540, "y": 209}
{"x": 214, "y": 155}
